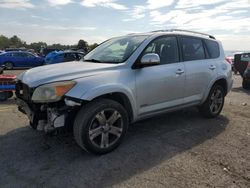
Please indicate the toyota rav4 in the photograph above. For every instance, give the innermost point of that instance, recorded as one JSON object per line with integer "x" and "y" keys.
{"x": 123, "y": 80}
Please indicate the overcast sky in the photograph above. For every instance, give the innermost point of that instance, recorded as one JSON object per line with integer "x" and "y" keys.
{"x": 67, "y": 21}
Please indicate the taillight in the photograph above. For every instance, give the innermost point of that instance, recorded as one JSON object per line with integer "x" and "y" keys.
{"x": 248, "y": 65}
{"x": 228, "y": 60}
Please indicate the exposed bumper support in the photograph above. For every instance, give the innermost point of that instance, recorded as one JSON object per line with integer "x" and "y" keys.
{"x": 53, "y": 117}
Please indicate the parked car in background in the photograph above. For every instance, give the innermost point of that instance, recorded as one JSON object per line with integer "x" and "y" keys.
{"x": 13, "y": 59}
{"x": 123, "y": 80}
{"x": 45, "y": 51}
{"x": 15, "y": 49}
{"x": 242, "y": 64}
{"x": 7, "y": 85}
{"x": 63, "y": 56}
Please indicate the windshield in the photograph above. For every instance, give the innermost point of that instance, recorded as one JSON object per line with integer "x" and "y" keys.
{"x": 116, "y": 50}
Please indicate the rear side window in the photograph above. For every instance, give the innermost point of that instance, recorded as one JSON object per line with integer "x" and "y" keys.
{"x": 8, "y": 55}
{"x": 212, "y": 48}
{"x": 24, "y": 55}
{"x": 192, "y": 49}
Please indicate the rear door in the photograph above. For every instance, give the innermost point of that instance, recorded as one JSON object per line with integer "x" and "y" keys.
{"x": 19, "y": 60}
{"x": 200, "y": 70}
{"x": 31, "y": 60}
{"x": 161, "y": 86}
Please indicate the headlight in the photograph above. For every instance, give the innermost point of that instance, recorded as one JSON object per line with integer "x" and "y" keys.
{"x": 52, "y": 92}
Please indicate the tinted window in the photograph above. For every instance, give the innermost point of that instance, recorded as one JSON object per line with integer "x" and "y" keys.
{"x": 192, "y": 49}
{"x": 70, "y": 56}
{"x": 8, "y": 54}
{"x": 30, "y": 55}
{"x": 212, "y": 48}
{"x": 17, "y": 54}
{"x": 80, "y": 56}
{"x": 166, "y": 48}
{"x": 24, "y": 55}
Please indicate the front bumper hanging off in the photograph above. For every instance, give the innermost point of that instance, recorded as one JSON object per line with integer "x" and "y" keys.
{"x": 45, "y": 118}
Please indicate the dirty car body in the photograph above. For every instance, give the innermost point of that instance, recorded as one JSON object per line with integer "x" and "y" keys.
{"x": 123, "y": 80}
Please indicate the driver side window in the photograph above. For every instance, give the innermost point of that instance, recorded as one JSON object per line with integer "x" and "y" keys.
{"x": 166, "y": 48}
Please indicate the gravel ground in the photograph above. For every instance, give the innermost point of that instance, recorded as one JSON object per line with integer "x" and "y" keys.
{"x": 179, "y": 149}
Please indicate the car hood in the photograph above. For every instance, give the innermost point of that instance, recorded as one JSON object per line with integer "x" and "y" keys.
{"x": 63, "y": 71}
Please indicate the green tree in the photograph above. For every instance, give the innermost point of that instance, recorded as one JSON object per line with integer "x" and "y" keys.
{"x": 37, "y": 46}
{"x": 82, "y": 44}
{"x": 92, "y": 46}
{"x": 16, "y": 42}
{"x": 4, "y": 42}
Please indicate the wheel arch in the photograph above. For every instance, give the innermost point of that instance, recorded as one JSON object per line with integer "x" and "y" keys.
{"x": 220, "y": 81}
{"x": 122, "y": 99}
{"x": 223, "y": 83}
{"x": 13, "y": 64}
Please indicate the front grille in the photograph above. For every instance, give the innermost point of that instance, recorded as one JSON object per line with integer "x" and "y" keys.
{"x": 23, "y": 91}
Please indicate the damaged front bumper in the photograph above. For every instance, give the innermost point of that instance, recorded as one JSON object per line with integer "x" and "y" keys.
{"x": 46, "y": 116}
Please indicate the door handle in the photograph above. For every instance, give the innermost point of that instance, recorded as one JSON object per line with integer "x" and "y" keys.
{"x": 179, "y": 71}
{"x": 212, "y": 67}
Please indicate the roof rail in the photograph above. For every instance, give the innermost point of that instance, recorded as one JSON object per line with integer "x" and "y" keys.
{"x": 187, "y": 31}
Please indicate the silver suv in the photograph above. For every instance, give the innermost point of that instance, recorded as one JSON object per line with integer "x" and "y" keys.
{"x": 123, "y": 80}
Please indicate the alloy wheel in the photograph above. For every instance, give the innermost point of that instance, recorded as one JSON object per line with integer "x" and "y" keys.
{"x": 106, "y": 128}
{"x": 216, "y": 101}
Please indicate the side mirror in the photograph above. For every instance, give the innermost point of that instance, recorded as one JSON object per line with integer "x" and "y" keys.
{"x": 150, "y": 59}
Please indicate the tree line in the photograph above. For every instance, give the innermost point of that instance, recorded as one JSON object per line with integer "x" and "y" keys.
{"x": 16, "y": 42}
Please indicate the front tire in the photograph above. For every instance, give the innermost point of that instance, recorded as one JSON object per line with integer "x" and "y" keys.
{"x": 9, "y": 65}
{"x": 214, "y": 103}
{"x": 245, "y": 84}
{"x": 100, "y": 126}
{"x": 10, "y": 94}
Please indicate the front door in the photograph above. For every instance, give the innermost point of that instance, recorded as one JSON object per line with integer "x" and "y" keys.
{"x": 161, "y": 86}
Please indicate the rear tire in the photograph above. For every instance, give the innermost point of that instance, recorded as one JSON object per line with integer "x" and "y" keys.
{"x": 214, "y": 103}
{"x": 245, "y": 84}
{"x": 100, "y": 126}
{"x": 9, "y": 65}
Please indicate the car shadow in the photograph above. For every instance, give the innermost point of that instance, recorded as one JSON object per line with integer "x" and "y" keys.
{"x": 241, "y": 90}
{"x": 32, "y": 158}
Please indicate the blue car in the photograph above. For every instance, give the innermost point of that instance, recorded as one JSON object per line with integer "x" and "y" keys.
{"x": 63, "y": 56}
{"x": 15, "y": 59}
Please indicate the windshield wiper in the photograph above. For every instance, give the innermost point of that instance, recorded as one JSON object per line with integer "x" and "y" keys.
{"x": 92, "y": 60}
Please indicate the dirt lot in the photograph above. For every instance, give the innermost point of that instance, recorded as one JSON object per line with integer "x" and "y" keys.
{"x": 179, "y": 149}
